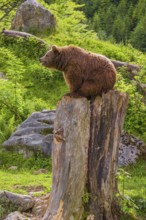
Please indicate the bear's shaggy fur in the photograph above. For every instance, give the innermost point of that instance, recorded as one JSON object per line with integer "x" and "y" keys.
{"x": 86, "y": 74}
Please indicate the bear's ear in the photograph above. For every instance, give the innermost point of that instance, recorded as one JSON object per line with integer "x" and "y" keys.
{"x": 55, "y": 49}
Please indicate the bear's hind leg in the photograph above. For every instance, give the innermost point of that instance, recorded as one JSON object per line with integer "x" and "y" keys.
{"x": 89, "y": 89}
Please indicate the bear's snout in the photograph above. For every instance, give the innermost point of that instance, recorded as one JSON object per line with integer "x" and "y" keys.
{"x": 43, "y": 61}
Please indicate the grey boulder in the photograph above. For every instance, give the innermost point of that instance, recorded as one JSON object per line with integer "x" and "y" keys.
{"x": 16, "y": 216}
{"x": 34, "y": 135}
{"x": 12, "y": 201}
{"x": 33, "y": 17}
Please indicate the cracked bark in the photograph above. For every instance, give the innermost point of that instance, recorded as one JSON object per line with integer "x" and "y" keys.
{"x": 85, "y": 153}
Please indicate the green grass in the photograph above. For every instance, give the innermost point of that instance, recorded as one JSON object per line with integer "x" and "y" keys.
{"x": 24, "y": 182}
{"x": 132, "y": 186}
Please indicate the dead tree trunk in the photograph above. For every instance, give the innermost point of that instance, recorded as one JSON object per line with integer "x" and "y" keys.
{"x": 85, "y": 152}
{"x": 132, "y": 68}
{"x": 12, "y": 33}
{"x": 107, "y": 117}
{"x": 70, "y": 150}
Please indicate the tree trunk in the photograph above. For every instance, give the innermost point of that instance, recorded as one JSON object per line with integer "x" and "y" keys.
{"x": 70, "y": 150}
{"x": 12, "y": 33}
{"x": 131, "y": 68}
{"x": 107, "y": 117}
{"x": 85, "y": 152}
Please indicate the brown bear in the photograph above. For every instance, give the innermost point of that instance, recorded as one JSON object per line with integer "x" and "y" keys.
{"x": 86, "y": 74}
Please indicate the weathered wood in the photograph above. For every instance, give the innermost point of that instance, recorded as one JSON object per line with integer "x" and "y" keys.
{"x": 132, "y": 68}
{"x": 70, "y": 149}
{"x": 12, "y": 33}
{"x": 107, "y": 116}
{"x": 85, "y": 153}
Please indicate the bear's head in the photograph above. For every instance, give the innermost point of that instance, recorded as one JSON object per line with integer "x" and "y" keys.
{"x": 50, "y": 59}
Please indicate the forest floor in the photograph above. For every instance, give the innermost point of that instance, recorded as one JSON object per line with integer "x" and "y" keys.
{"x": 132, "y": 186}
{"x": 26, "y": 180}
{"x": 25, "y": 176}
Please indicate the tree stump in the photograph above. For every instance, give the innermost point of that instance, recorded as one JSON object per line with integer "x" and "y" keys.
{"x": 85, "y": 154}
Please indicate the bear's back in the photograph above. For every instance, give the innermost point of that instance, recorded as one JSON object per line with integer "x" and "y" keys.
{"x": 88, "y": 63}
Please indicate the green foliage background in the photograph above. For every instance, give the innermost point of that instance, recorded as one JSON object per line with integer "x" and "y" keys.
{"x": 30, "y": 87}
{"x": 118, "y": 20}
